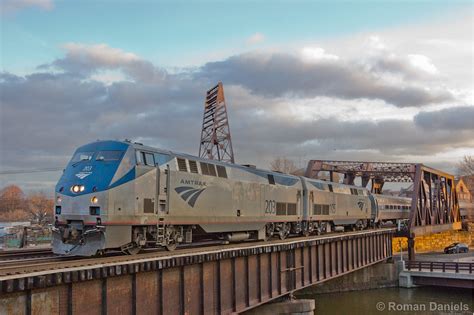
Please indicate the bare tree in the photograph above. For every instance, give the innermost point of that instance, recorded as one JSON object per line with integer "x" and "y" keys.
{"x": 466, "y": 166}
{"x": 40, "y": 208}
{"x": 283, "y": 165}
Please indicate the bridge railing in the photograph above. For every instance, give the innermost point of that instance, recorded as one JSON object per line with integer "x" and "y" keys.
{"x": 458, "y": 267}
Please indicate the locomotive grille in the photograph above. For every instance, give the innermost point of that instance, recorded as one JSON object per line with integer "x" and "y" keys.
{"x": 319, "y": 209}
{"x": 281, "y": 208}
{"x": 193, "y": 166}
{"x": 182, "y": 165}
{"x": 291, "y": 210}
{"x": 221, "y": 171}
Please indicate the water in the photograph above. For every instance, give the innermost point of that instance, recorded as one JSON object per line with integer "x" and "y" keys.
{"x": 423, "y": 300}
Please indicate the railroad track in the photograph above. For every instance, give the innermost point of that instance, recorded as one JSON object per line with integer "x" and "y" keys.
{"x": 28, "y": 266}
{"x": 15, "y": 254}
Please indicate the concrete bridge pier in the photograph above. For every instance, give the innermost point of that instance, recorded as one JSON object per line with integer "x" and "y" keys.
{"x": 291, "y": 306}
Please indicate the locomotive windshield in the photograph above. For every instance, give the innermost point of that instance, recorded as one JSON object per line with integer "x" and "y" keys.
{"x": 82, "y": 156}
{"x": 109, "y": 155}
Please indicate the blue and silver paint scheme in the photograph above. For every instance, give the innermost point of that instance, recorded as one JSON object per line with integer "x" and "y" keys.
{"x": 79, "y": 230}
{"x": 125, "y": 202}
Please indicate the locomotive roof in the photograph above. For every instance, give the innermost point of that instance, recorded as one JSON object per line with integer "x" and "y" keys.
{"x": 141, "y": 146}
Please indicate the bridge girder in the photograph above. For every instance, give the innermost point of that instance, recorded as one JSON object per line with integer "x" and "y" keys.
{"x": 434, "y": 207}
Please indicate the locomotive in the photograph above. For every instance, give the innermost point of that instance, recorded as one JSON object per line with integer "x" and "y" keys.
{"x": 128, "y": 196}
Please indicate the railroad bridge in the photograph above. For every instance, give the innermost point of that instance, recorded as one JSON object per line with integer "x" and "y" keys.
{"x": 207, "y": 280}
{"x": 434, "y": 204}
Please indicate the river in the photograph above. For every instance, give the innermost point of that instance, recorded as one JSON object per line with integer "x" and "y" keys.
{"x": 423, "y": 300}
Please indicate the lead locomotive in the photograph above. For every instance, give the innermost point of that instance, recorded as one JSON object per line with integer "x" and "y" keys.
{"x": 127, "y": 196}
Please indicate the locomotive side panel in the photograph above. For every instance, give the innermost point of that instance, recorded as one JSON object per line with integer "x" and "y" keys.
{"x": 230, "y": 200}
{"x": 340, "y": 204}
{"x": 352, "y": 205}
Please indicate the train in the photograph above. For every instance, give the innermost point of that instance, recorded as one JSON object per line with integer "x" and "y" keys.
{"x": 123, "y": 195}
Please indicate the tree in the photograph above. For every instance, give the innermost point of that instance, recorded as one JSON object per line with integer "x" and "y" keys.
{"x": 40, "y": 208}
{"x": 283, "y": 165}
{"x": 11, "y": 198}
{"x": 466, "y": 166}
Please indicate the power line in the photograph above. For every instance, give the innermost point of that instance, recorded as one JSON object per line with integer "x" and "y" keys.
{"x": 38, "y": 170}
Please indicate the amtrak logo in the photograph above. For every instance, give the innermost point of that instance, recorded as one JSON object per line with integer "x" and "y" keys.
{"x": 86, "y": 171}
{"x": 189, "y": 194}
{"x": 83, "y": 175}
{"x": 361, "y": 205}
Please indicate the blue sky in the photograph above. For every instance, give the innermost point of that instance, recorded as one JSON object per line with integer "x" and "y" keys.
{"x": 354, "y": 80}
{"x": 170, "y": 32}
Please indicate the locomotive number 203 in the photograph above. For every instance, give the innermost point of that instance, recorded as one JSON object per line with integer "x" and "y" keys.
{"x": 270, "y": 206}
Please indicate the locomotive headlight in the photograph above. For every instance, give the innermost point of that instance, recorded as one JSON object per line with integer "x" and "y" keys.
{"x": 94, "y": 200}
{"x": 77, "y": 188}
{"x": 58, "y": 199}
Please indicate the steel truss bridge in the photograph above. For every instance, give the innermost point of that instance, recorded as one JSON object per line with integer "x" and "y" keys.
{"x": 434, "y": 206}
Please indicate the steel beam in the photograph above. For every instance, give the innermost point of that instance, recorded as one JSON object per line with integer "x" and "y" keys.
{"x": 216, "y": 141}
{"x": 202, "y": 282}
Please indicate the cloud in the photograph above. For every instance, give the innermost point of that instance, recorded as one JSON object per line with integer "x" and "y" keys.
{"x": 280, "y": 104}
{"x": 283, "y": 74}
{"x": 454, "y": 118}
{"x": 409, "y": 68}
{"x": 84, "y": 60}
{"x": 69, "y": 111}
{"x": 316, "y": 54}
{"x": 11, "y": 6}
{"x": 256, "y": 38}
{"x": 423, "y": 63}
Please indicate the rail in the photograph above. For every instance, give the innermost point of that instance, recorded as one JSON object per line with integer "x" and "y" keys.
{"x": 457, "y": 267}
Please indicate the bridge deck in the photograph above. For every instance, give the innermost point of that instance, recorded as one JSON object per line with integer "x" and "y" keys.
{"x": 435, "y": 273}
{"x": 214, "y": 280}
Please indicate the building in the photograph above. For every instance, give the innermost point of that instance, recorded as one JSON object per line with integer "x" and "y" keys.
{"x": 465, "y": 197}
{"x": 469, "y": 183}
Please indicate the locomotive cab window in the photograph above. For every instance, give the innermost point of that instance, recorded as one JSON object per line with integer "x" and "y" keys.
{"x": 82, "y": 156}
{"x": 148, "y": 159}
{"x": 109, "y": 155}
{"x": 145, "y": 158}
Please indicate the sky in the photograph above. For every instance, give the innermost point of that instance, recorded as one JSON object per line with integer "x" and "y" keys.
{"x": 344, "y": 80}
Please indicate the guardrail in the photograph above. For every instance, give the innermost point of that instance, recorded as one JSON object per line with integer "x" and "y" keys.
{"x": 458, "y": 267}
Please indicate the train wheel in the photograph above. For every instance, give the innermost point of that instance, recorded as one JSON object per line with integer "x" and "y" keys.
{"x": 269, "y": 230}
{"x": 171, "y": 246}
{"x": 359, "y": 225}
{"x": 307, "y": 228}
{"x": 131, "y": 248}
{"x": 172, "y": 239}
{"x": 100, "y": 253}
{"x": 284, "y": 231}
